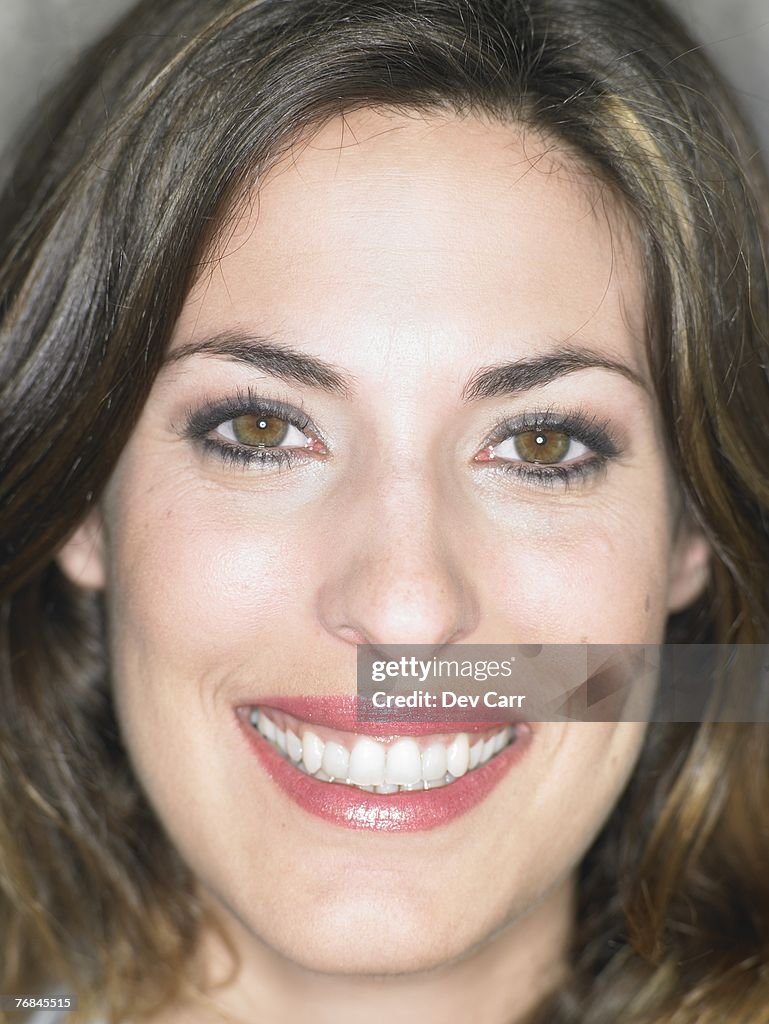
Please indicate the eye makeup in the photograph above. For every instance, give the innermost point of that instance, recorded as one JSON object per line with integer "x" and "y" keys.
{"x": 591, "y": 431}
{"x": 201, "y": 421}
{"x": 206, "y": 425}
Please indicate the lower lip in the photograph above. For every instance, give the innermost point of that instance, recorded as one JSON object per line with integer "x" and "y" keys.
{"x": 350, "y": 807}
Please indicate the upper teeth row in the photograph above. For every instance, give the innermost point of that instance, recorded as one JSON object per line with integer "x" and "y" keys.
{"x": 388, "y": 768}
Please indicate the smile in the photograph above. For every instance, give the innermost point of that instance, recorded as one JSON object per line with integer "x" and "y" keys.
{"x": 383, "y": 777}
{"x": 402, "y": 764}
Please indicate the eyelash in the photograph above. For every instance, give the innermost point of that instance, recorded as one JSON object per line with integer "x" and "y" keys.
{"x": 578, "y": 425}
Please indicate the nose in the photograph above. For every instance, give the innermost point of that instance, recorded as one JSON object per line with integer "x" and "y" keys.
{"x": 398, "y": 573}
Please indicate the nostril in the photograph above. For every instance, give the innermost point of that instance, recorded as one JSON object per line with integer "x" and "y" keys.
{"x": 352, "y": 635}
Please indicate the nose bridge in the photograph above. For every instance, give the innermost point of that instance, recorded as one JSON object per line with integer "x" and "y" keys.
{"x": 397, "y": 574}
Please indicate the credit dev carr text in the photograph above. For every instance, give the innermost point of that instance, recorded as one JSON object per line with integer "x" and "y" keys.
{"x": 446, "y": 699}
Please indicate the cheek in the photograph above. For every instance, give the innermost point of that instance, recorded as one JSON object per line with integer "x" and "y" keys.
{"x": 576, "y": 575}
{"x": 202, "y": 596}
{"x": 193, "y": 580}
{"x": 580, "y": 771}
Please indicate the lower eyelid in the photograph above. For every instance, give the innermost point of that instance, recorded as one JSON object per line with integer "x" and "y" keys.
{"x": 539, "y": 474}
{"x": 239, "y": 455}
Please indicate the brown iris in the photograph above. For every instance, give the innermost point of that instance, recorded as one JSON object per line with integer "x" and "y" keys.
{"x": 548, "y": 446}
{"x": 260, "y": 431}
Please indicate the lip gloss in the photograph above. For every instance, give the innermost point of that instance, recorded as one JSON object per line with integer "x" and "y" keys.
{"x": 348, "y": 806}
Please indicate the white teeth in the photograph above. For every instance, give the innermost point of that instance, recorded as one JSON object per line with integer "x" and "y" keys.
{"x": 434, "y": 762}
{"x": 376, "y": 766}
{"x": 367, "y": 763}
{"x": 475, "y": 754}
{"x": 458, "y": 755}
{"x": 488, "y": 749}
{"x": 312, "y": 751}
{"x": 267, "y": 728}
{"x": 436, "y": 783}
{"x": 336, "y": 760}
{"x": 499, "y": 741}
{"x": 404, "y": 764}
{"x": 293, "y": 746}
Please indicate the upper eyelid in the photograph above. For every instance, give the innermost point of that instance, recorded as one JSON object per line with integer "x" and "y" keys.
{"x": 539, "y": 416}
{"x": 578, "y": 423}
{"x": 209, "y": 414}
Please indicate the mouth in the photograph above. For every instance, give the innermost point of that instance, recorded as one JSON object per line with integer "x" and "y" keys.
{"x": 409, "y": 781}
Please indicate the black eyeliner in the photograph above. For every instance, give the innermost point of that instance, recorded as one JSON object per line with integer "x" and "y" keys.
{"x": 542, "y": 475}
{"x": 200, "y": 420}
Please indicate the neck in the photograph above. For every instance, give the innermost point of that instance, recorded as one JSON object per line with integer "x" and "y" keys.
{"x": 500, "y": 981}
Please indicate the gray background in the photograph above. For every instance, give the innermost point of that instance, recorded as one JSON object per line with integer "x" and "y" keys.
{"x": 38, "y": 38}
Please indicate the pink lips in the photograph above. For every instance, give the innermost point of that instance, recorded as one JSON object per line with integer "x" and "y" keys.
{"x": 342, "y": 713}
{"x": 355, "y": 808}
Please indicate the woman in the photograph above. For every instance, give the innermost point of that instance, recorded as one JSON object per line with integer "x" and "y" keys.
{"x": 341, "y": 323}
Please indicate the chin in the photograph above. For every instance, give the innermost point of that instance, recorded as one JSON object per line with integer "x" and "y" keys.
{"x": 352, "y": 938}
{"x": 372, "y": 954}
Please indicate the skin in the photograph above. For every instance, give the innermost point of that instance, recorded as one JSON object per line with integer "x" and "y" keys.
{"x": 409, "y": 252}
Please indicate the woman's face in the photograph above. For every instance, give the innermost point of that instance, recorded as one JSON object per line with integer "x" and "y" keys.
{"x": 339, "y": 343}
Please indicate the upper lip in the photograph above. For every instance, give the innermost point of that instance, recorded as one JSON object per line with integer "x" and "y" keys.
{"x": 340, "y": 712}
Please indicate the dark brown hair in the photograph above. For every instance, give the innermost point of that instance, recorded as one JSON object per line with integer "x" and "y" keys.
{"x": 120, "y": 194}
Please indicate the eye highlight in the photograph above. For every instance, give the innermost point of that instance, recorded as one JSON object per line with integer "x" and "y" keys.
{"x": 549, "y": 448}
{"x": 245, "y": 429}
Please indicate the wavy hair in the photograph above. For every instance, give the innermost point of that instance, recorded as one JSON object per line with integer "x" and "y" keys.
{"x": 121, "y": 193}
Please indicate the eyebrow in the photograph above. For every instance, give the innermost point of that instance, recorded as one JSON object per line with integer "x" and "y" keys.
{"x": 273, "y": 357}
{"x": 499, "y": 380}
{"x": 506, "y": 379}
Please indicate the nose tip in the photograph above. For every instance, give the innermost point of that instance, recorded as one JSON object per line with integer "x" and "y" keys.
{"x": 391, "y": 598}
{"x": 394, "y": 635}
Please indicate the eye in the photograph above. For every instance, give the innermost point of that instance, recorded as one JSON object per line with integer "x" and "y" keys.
{"x": 259, "y": 430}
{"x": 539, "y": 447}
{"x": 548, "y": 449}
{"x": 247, "y": 429}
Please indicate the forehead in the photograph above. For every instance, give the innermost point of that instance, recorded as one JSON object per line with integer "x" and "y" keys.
{"x": 381, "y": 225}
